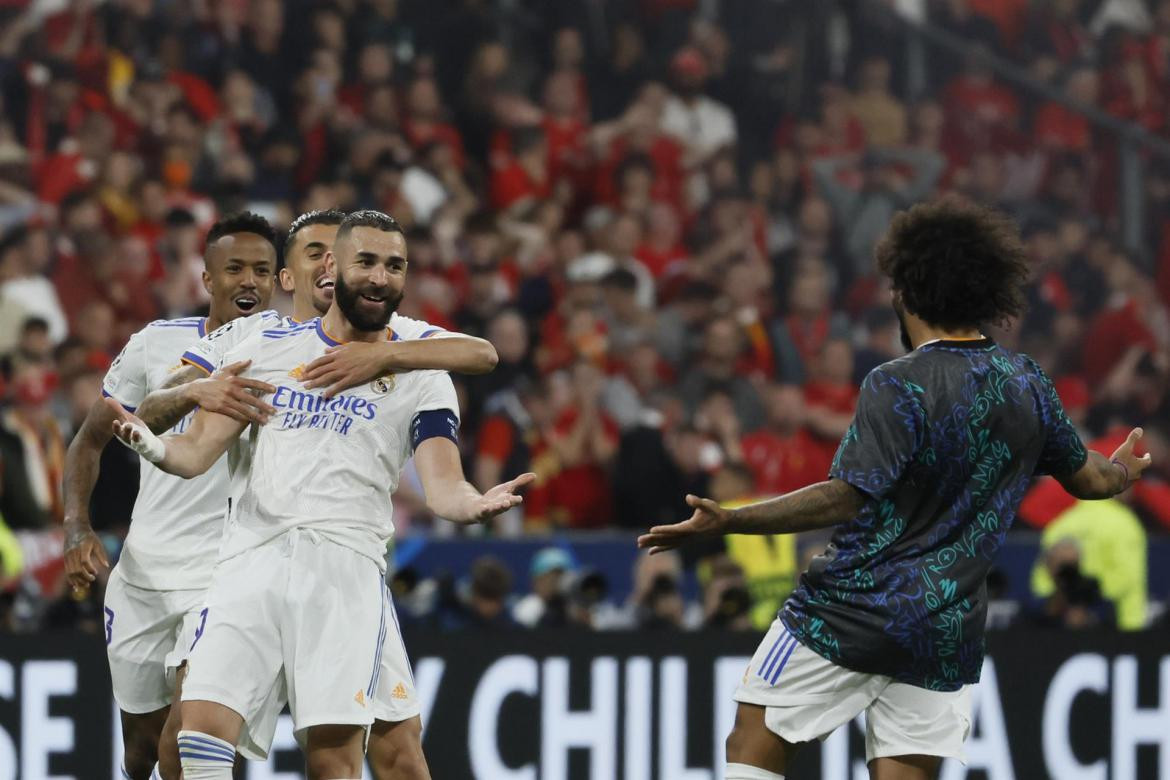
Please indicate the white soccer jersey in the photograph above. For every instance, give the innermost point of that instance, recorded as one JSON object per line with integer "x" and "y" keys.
{"x": 208, "y": 353}
{"x": 177, "y": 524}
{"x": 329, "y": 465}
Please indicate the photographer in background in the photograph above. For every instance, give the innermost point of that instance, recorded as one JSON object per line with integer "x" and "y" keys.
{"x": 1105, "y": 542}
{"x": 1075, "y": 600}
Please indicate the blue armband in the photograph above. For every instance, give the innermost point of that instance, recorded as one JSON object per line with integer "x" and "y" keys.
{"x": 434, "y": 423}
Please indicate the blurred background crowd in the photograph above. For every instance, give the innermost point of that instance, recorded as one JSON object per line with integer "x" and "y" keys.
{"x": 660, "y": 212}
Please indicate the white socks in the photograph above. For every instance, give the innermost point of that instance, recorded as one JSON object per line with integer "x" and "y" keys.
{"x": 744, "y": 772}
{"x": 205, "y": 757}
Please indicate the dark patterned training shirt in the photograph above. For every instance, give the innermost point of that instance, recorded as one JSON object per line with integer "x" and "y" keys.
{"x": 944, "y": 443}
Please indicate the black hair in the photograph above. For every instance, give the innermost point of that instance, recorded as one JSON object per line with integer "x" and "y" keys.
{"x": 955, "y": 264}
{"x": 178, "y": 217}
{"x": 318, "y": 217}
{"x": 34, "y": 323}
{"x": 368, "y": 218}
{"x": 73, "y": 200}
{"x": 620, "y": 279}
{"x": 14, "y": 238}
{"x": 243, "y": 222}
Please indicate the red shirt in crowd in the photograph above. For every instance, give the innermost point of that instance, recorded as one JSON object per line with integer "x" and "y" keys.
{"x": 669, "y": 176}
{"x": 511, "y": 183}
{"x": 1111, "y": 334}
{"x": 657, "y": 260}
{"x": 579, "y": 496}
{"x": 419, "y": 134}
{"x": 1059, "y": 127}
{"x": 782, "y": 464}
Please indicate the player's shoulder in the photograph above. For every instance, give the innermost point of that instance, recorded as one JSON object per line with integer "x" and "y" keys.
{"x": 167, "y": 334}
{"x": 902, "y": 368}
{"x": 242, "y": 326}
{"x": 180, "y": 324}
{"x": 407, "y": 328}
{"x": 286, "y": 327}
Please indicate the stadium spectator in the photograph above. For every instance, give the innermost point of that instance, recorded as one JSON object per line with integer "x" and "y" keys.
{"x": 719, "y": 369}
{"x": 1102, "y": 543}
{"x": 485, "y": 605}
{"x": 545, "y": 605}
{"x": 784, "y": 456}
{"x": 1074, "y": 601}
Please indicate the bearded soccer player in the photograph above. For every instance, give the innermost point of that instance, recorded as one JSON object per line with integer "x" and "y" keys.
{"x": 154, "y": 594}
{"x": 927, "y": 480}
{"x": 416, "y": 344}
{"x": 395, "y": 744}
{"x": 297, "y": 610}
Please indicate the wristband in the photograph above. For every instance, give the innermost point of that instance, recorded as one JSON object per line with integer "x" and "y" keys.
{"x": 1124, "y": 469}
{"x": 148, "y": 445}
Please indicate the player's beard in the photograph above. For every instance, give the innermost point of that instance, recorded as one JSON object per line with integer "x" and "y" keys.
{"x": 348, "y": 300}
{"x": 903, "y": 333}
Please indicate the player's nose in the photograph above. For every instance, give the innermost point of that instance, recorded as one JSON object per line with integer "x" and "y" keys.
{"x": 380, "y": 276}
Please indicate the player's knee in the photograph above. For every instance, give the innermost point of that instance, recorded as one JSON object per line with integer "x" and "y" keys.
{"x": 332, "y": 765}
{"x": 395, "y": 751}
{"x": 140, "y": 747}
{"x": 735, "y": 744}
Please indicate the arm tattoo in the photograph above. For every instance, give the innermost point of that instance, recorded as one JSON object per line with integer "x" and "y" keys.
{"x": 821, "y": 505}
{"x": 163, "y": 408}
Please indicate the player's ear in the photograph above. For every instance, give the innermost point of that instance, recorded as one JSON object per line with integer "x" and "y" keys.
{"x": 206, "y": 281}
{"x": 330, "y": 264}
{"x": 286, "y": 280}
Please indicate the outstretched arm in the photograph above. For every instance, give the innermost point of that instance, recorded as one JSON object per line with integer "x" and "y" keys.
{"x": 448, "y": 492}
{"x": 84, "y": 552}
{"x": 1103, "y": 477}
{"x": 821, "y": 505}
{"x": 225, "y": 392}
{"x": 186, "y": 454}
{"x": 358, "y": 362}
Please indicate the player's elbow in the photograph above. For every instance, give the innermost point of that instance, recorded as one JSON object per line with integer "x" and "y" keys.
{"x": 485, "y": 358}
{"x": 1088, "y": 484}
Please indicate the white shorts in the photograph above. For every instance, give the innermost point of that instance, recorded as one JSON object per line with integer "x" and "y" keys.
{"x": 807, "y": 697}
{"x": 298, "y": 619}
{"x": 148, "y": 636}
{"x": 395, "y": 699}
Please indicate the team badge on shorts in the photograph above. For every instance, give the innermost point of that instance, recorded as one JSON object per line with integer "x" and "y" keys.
{"x": 383, "y": 384}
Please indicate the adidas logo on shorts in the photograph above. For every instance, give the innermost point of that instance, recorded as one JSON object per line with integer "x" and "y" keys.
{"x": 399, "y": 691}
{"x": 360, "y": 698}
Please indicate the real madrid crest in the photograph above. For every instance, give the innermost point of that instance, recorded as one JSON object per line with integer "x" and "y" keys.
{"x": 383, "y": 384}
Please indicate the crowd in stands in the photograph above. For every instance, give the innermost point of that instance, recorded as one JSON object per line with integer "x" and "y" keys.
{"x": 661, "y": 213}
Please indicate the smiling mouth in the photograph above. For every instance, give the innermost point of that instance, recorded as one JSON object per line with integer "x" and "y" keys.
{"x": 324, "y": 283}
{"x": 246, "y": 303}
{"x": 374, "y": 298}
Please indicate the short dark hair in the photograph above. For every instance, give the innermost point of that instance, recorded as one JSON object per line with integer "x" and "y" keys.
{"x": 955, "y": 264}
{"x": 368, "y": 218}
{"x": 490, "y": 578}
{"x": 34, "y": 323}
{"x": 620, "y": 279}
{"x": 243, "y": 222}
{"x": 317, "y": 217}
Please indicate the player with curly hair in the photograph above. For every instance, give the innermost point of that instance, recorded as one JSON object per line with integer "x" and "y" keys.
{"x": 925, "y": 484}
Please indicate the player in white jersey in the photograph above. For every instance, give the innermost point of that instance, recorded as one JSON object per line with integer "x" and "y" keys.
{"x": 155, "y": 593}
{"x": 298, "y": 603}
{"x": 395, "y": 746}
